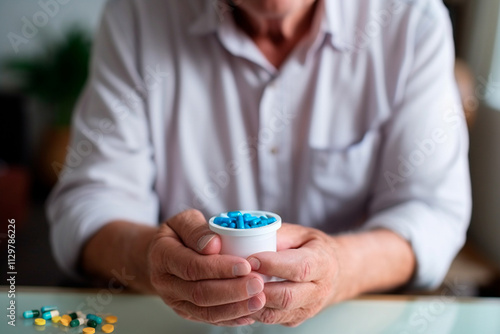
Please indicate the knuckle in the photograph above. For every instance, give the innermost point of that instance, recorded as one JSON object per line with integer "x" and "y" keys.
{"x": 286, "y": 299}
{"x": 208, "y": 315}
{"x": 156, "y": 280}
{"x": 218, "y": 267}
{"x": 269, "y": 316}
{"x": 198, "y": 295}
{"x": 304, "y": 270}
{"x": 190, "y": 270}
{"x": 193, "y": 215}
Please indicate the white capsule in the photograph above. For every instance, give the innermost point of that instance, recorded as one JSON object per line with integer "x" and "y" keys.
{"x": 48, "y": 315}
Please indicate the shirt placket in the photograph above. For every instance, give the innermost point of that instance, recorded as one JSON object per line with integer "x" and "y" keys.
{"x": 270, "y": 148}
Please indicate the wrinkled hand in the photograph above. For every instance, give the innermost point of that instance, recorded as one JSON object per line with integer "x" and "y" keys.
{"x": 307, "y": 259}
{"x": 199, "y": 284}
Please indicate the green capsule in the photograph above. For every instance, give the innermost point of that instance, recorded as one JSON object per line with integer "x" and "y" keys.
{"x": 94, "y": 317}
{"x": 73, "y": 315}
{"x": 76, "y": 322}
{"x": 92, "y": 323}
{"x": 31, "y": 314}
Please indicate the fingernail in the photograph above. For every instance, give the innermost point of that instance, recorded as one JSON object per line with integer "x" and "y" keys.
{"x": 254, "y": 286}
{"x": 204, "y": 240}
{"x": 240, "y": 269}
{"x": 255, "y": 304}
{"x": 254, "y": 263}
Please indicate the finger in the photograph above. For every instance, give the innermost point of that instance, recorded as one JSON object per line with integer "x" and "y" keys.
{"x": 290, "y": 295}
{"x": 169, "y": 256}
{"x": 291, "y": 236}
{"x": 296, "y": 265}
{"x": 214, "y": 292}
{"x": 237, "y": 322}
{"x": 245, "y": 321}
{"x": 192, "y": 228}
{"x": 284, "y": 317}
{"x": 223, "y": 313}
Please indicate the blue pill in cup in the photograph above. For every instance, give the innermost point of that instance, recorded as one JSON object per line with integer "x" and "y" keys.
{"x": 244, "y": 242}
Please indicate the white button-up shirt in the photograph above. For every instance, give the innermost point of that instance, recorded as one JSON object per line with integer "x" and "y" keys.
{"x": 360, "y": 128}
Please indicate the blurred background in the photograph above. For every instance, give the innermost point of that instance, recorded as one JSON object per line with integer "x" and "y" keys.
{"x": 44, "y": 41}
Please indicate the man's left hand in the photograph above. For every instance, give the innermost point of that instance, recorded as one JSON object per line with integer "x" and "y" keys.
{"x": 308, "y": 261}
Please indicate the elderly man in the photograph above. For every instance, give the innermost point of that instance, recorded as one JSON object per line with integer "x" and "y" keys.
{"x": 341, "y": 116}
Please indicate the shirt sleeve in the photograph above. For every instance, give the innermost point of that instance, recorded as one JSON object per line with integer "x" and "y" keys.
{"x": 109, "y": 171}
{"x": 422, "y": 190}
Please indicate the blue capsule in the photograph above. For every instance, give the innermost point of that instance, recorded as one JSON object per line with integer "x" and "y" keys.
{"x": 239, "y": 220}
{"x": 222, "y": 220}
{"x": 31, "y": 314}
{"x": 94, "y": 317}
{"x": 270, "y": 220}
{"x": 240, "y": 223}
{"x": 48, "y": 308}
{"x": 234, "y": 214}
{"x": 50, "y": 314}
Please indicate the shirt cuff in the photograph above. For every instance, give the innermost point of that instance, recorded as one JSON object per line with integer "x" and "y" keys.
{"x": 434, "y": 237}
{"x": 74, "y": 222}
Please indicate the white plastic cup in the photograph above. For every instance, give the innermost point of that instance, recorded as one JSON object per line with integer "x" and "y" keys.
{"x": 246, "y": 242}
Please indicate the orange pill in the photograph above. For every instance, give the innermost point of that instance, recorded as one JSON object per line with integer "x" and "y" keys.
{"x": 111, "y": 319}
{"x": 108, "y": 328}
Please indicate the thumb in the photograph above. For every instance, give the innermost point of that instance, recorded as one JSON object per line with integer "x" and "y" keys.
{"x": 192, "y": 228}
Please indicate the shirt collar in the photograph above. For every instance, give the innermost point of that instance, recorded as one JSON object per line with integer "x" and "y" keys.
{"x": 210, "y": 19}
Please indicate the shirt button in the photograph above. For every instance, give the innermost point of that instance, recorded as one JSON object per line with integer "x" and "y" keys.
{"x": 274, "y": 150}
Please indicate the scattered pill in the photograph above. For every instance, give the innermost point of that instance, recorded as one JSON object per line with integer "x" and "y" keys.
{"x": 48, "y": 308}
{"x": 108, "y": 328}
{"x": 73, "y": 319}
{"x": 64, "y": 322}
{"x": 77, "y": 322}
{"x": 92, "y": 323}
{"x": 111, "y": 319}
{"x": 94, "y": 317}
{"x": 48, "y": 315}
{"x": 31, "y": 314}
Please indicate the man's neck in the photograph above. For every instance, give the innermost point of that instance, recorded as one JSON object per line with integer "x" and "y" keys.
{"x": 276, "y": 36}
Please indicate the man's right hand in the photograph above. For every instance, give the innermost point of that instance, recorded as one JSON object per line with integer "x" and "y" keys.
{"x": 199, "y": 284}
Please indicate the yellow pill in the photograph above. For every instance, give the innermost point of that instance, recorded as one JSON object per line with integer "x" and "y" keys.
{"x": 56, "y": 319}
{"x": 64, "y": 322}
{"x": 67, "y": 317}
{"x": 108, "y": 328}
{"x": 111, "y": 319}
{"x": 39, "y": 321}
{"x": 88, "y": 330}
